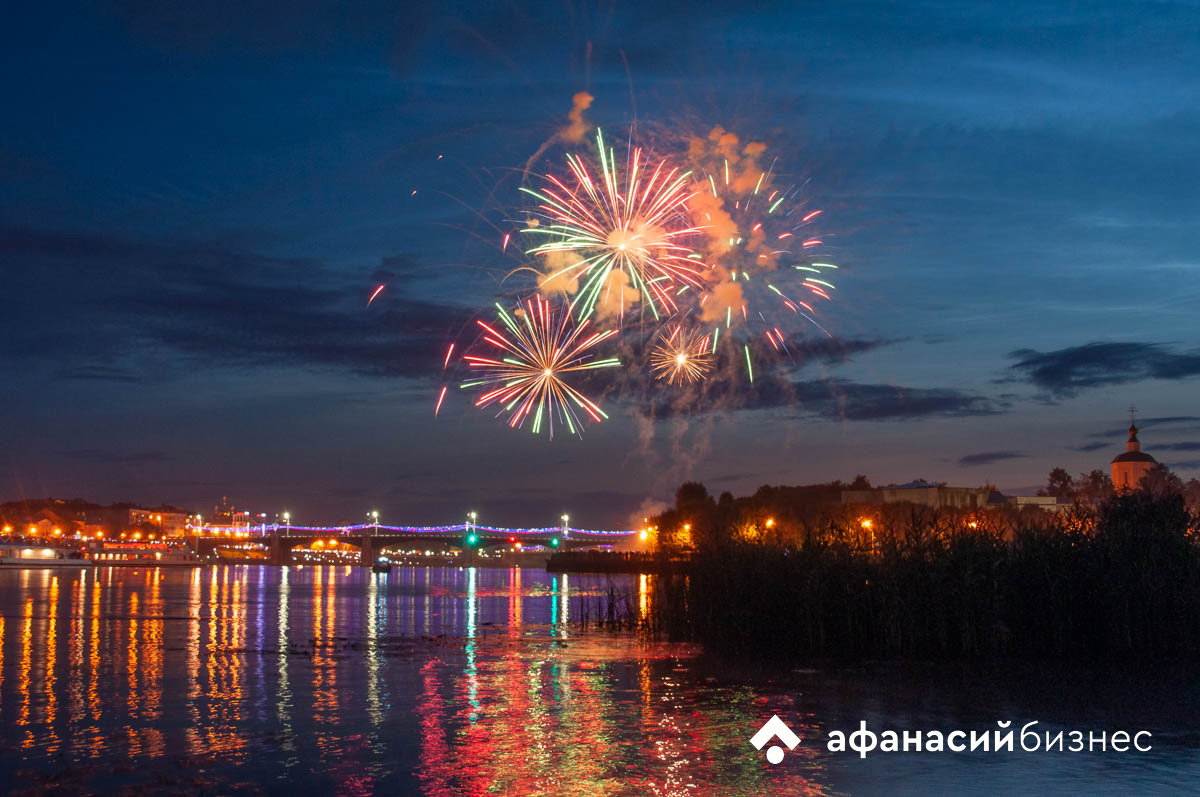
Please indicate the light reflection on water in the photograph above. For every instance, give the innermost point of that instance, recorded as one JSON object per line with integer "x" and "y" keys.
{"x": 471, "y": 681}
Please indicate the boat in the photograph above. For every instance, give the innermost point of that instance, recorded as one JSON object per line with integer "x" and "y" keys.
{"x": 39, "y": 554}
{"x": 122, "y": 554}
{"x": 243, "y": 554}
{"x": 381, "y": 566}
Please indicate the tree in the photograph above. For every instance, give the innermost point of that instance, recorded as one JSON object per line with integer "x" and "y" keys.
{"x": 697, "y": 513}
{"x": 1093, "y": 487}
{"x": 1191, "y": 494}
{"x": 860, "y": 483}
{"x": 692, "y": 496}
{"x": 1059, "y": 484}
{"x": 1159, "y": 481}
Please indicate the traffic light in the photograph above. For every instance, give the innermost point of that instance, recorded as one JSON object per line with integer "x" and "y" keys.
{"x": 554, "y": 542}
{"x": 472, "y": 539}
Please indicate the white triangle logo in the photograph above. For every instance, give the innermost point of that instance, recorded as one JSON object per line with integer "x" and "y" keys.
{"x": 774, "y": 727}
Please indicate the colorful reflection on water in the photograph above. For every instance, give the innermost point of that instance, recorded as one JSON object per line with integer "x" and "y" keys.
{"x": 446, "y": 681}
{"x": 452, "y": 681}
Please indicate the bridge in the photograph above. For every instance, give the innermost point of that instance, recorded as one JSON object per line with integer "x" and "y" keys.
{"x": 373, "y": 538}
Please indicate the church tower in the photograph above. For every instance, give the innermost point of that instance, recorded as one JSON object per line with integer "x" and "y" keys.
{"x": 1129, "y": 468}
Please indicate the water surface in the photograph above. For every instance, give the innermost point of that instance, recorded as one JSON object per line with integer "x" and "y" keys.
{"x": 482, "y": 681}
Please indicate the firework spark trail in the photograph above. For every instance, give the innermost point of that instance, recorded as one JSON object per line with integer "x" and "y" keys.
{"x": 762, "y": 247}
{"x": 682, "y": 357}
{"x": 638, "y": 227}
{"x": 757, "y": 245}
{"x": 525, "y": 378}
{"x": 378, "y": 291}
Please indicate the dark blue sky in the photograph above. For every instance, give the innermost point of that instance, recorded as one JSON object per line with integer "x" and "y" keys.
{"x": 198, "y": 200}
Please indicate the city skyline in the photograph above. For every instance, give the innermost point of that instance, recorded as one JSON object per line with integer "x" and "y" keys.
{"x": 198, "y": 212}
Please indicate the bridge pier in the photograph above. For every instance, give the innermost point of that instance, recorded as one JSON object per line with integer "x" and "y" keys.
{"x": 366, "y": 556}
{"x": 278, "y": 553}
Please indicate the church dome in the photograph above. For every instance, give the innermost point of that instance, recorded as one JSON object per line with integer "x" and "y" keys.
{"x": 1134, "y": 456}
{"x": 1130, "y": 467}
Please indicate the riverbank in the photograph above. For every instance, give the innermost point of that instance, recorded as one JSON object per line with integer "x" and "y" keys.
{"x": 1126, "y": 584}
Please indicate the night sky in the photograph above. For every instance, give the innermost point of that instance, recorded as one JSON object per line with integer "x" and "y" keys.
{"x": 199, "y": 198}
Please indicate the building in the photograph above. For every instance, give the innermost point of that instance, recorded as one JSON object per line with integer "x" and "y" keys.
{"x": 938, "y": 496}
{"x": 1129, "y": 468}
{"x": 1046, "y": 503}
{"x": 169, "y": 521}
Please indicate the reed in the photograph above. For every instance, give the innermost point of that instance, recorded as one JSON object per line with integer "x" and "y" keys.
{"x": 1121, "y": 581}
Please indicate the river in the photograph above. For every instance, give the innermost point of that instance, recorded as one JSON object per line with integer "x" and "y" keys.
{"x": 482, "y": 681}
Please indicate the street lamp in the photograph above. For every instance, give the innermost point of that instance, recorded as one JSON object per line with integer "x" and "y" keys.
{"x": 287, "y": 519}
{"x": 869, "y": 527}
{"x": 471, "y": 537}
{"x": 566, "y": 519}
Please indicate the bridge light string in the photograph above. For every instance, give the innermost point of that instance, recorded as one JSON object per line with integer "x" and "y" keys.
{"x": 458, "y": 528}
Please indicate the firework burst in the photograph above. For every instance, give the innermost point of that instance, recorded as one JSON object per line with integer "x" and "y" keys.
{"x": 761, "y": 242}
{"x": 682, "y": 357}
{"x": 535, "y": 350}
{"x": 622, "y": 239}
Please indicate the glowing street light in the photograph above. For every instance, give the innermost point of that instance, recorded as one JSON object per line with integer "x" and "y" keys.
{"x": 287, "y": 518}
{"x": 869, "y": 526}
{"x": 472, "y": 537}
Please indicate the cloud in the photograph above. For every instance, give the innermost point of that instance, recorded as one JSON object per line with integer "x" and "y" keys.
{"x": 1088, "y": 447}
{"x": 1188, "y": 445}
{"x": 835, "y": 398}
{"x": 990, "y": 457}
{"x": 102, "y": 456}
{"x": 129, "y": 306}
{"x": 1066, "y": 372}
{"x": 832, "y": 349}
{"x": 1149, "y": 423}
{"x": 777, "y": 385}
{"x": 100, "y": 373}
{"x": 840, "y": 399}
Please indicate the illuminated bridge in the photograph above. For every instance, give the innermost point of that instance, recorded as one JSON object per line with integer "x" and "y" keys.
{"x": 371, "y": 538}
